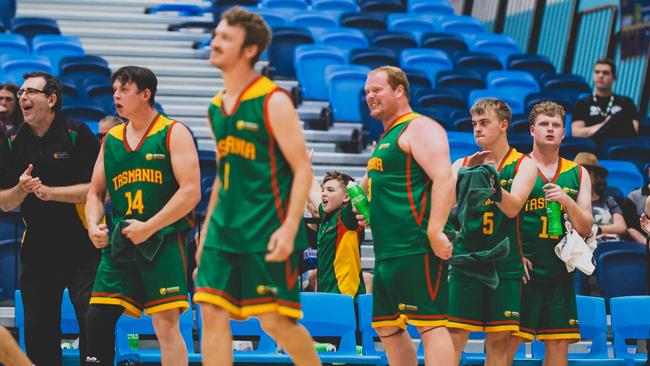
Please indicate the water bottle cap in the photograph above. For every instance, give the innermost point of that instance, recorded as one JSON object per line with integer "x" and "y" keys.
{"x": 351, "y": 184}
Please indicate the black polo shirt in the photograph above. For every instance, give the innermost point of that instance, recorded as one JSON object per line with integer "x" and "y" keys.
{"x": 54, "y": 229}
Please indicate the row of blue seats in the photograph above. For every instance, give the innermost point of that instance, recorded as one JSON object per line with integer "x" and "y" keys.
{"x": 52, "y": 47}
{"x": 32, "y": 26}
{"x": 333, "y": 316}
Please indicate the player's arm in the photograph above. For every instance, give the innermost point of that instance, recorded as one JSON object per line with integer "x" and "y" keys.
{"x": 635, "y": 124}
{"x": 76, "y": 193}
{"x": 512, "y": 202}
{"x": 315, "y": 193}
{"x": 10, "y": 353}
{"x": 427, "y": 142}
{"x": 97, "y": 229}
{"x": 286, "y": 130}
{"x": 579, "y": 211}
{"x": 13, "y": 197}
{"x": 185, "y": 165}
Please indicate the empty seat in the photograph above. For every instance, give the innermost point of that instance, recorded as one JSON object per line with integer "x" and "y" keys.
{"x": 450, "y": 43}
{"x": 417, "y": 80}
{"x": 460, "y": 24}
{"x": 461, "y": 144}
{"x": 335, "y": 5}
{"x": 558, "y": 98}
{"x": 536, "y": 65}
{"x": 617, "y": 268}
{"x": 81, "y": 68}
{"x": 32, "y": 26}
{"x": 285, "y": 4}
{"x": 516, "y": 102}
{"x": 445, "y": 101}
{"x": 501, "y": 45}
{"x": 436, "y": 115}
{"x": 426, "y": 60}
{"x": 56, "y": 47}
{"x": 415, "y": 24}
{"x": 373, "y": 57}
{"x": 636, "y": 151}
{"x": 570, "y": 85}
{"x": 516, "y": 81}
{"x": 82, "y": 109}
{"x": 387, "y": 6}
{"x": 571, "y": 146}
{"x": 441, "y": 7}
{"x": 461, "y": 81}
{"x": 14, "y": 46}
{"x": 393, "y": 40}
{"x": 101, "y": 92}
{"x": 183, "y": 10}
{"x": 630, "y": 320}
{"x": 342, "y": 38}
{"x": 479, "y": 62}
{"x": 364, "y": 21}
{"x": 519, "y": 125}
{"x": 14, "y": 69}
{"x": 315, "y": 19}
{"x": 623, "y": 175}
{"x": 309, "y": 59}
{"x": 344, "y": 84}
{"x": 281, "y": 50}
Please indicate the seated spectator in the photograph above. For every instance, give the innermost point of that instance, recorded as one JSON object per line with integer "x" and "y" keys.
{"x": 605, "y": 114}
{"x": 607, "y": 213}
{"x": 633, "y": 208}
{"x": 106, "y": 124}
{"x": 10, "y": 113}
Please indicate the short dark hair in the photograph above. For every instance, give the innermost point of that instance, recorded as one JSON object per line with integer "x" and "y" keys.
{"x": 607, "y": 61}
{"x": 257, "y": 31}
{"x": 141, "y": 76}
{"x": 16, "y": 116}
{"x": 52, "y": 86}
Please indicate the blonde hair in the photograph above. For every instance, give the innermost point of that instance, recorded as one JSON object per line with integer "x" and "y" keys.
{"x": 395, "y": 76}
{"x": 550, "y": 109}
{"x": 499, "y": 107}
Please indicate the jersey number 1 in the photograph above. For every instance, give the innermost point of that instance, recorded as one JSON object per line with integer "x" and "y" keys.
{"x": 135, "y": 203}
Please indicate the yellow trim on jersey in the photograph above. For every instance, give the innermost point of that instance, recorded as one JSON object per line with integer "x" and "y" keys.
{"x": 347, "y": 263}
{"x": 117, "y": 131}
{"x": 129, "y": 309}
{"x": 262, "y": 86}
{"x": 161, "y": 123}
{"x": 471, "y": 328}
{"x": 181, "y": 304}
{"x": 567, "y": 165}
{"x": 511, "y": 158}
{"x": 502, "y": 328}
{"x": 427, "y": 323}
{"x": 216, "y": 100}
{"x": 575, "y": 336}
{"x": 525, "y": 335}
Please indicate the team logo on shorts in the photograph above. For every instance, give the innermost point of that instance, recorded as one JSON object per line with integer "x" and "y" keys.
{"x": 403, "y": 307}
{"x": 509, "y": 314}
{"x": 169, "y": 290}
{"x": 250, "y": 126}
{"x": 154, "y": 156}
{"x": 573, "y": 322}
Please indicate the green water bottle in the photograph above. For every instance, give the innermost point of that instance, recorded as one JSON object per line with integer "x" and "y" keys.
{"x": 134, "y": 340}
{"x": 554, "y": 215}
{"x": 324, "y": 347}
{"x": 359, "y": 200}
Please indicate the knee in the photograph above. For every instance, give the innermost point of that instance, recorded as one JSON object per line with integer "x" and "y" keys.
{"x": 167, "y": 327}
{"x": 274, "y": 324}
{"x": 388, "y": 332}
{"x": 557, "y": 347}
{"x": 497, "y": 341}
{"x": 213, "y": 316}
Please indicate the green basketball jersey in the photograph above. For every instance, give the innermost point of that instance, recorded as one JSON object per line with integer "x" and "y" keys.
{"x": 141, "y": 181}
{"x": 537, "y": 243}
{"x": 339, "y": 259}
{"x": 399, "y": 197}
{"x": 496, "y": 226}
{"x": 255, "y": 176}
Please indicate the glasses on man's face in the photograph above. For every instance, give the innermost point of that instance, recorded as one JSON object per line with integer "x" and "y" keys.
{"x": 29, "y": 92}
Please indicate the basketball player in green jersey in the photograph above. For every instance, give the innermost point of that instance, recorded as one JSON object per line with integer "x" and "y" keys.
{"x": 249, "y": 254}
{"x": 149, "y": 167}
{"x": 410, "y": 191}
{"x": 548, "y": 301}
{"x": 473, "y": 306}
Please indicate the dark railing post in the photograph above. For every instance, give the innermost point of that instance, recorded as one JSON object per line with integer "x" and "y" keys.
{"x": 467, "y": 7}
{"x": 575, "y": 27}
{"x": 536, "y": 26}
{"x": 500, "y": 19}
{"x": 573, "y": 37}
{"x": 612, "y": 33}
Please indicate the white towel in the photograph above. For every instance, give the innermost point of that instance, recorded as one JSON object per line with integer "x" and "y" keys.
{"x": 575, "y": 252}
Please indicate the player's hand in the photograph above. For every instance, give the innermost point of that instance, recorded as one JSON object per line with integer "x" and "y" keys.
{"x": 645, "y": 223}
{"x": 28, "y": 183}
{"x": 280, "y": 244}
{"x": 360, "y": 218}
{"x": 441, "y": 245}
{"x": 199, "y": 239}
{"x": 137, "y": 231}
{"x": 44, "y": 193}
{"x": 553, "y": 192}
{"x": 98, "y": 234}
{"x": 528, "y": 266}
{"x": 477, "y": 158}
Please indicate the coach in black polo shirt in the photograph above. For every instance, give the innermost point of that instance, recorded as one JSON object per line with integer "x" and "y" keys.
{"x": 45, "y": 169}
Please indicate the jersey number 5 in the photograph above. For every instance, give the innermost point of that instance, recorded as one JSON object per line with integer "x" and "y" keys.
{"x": 488, "y": 223}
{"x": 135, "y": 202}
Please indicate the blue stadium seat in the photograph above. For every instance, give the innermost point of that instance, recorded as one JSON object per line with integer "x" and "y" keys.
{"x": 523, "y": 143}
{"x": 427, "y": 60}
{"x": 450, "y": 43}
{"x": 417, "y": 80}
{"x": 330, "y": 316}
{"x": 519, "y": 82}
{"x": 623, "y": 175}
{"x": 438, "y": 7}
{"x": 501, "y": 45}
{"x": 461, "y": 81}
{"x": 559, "y": 98}
{"x": 415, "y": 24}
{"x": 445, "y": 101}
{"x": 317, "y": 19}
{"x": 519, "y": 125}
{"x": 364, "y": 21}
{"x": 537, "y": 65}
{"x": 281, "y": 50}
{"x": 308, "y": 59}
{"x": 369, "y": 335}
{"x": 462, "y": 122}
{"x": 273, "y": 17}
{"x": 70, "y": 88}
{"x": 630, "y": 320}
{"x": 461, "y": 24}
{"x": 7, "y": 11}
{"x": 344, "y": 83}
{"x": 393, "y": 40}
{"x": 15, "y": 68}
{"x": 14, "y": 46}
{"x": 461, "y": 144}
{"x": 144, "y": 326}
{"x": 479, "y": 62}
{"x": 569, "y": 85}
{"x": 515, "y": 101}
{"x": 608, "y": 246}
{"x": 81, "y": 68}
{"x": 617, "y": 268}
{"x": 571, "y": 146}
{"x": 32, "y": 26}
{"x": 335, "y": 5}
{"x": 102, "y": 94}
{"x": 219, "y": 6}
{"x": 83, "y": 109}
{"x": 636, "y": 151}
{"x": 56, "y": 47}
{"x": 373, "y": 57}
{"x": 9, "y": 253}
{"x": 434, "y": 114}
{"x": 183, "y": 10}
{"x": 342, "y": 38}
{"x": 285, "y": 5}
{"x": 387, "y": 6}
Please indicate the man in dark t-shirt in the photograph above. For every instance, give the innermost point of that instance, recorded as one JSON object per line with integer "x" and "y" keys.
{"x": 605, "y": 114}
